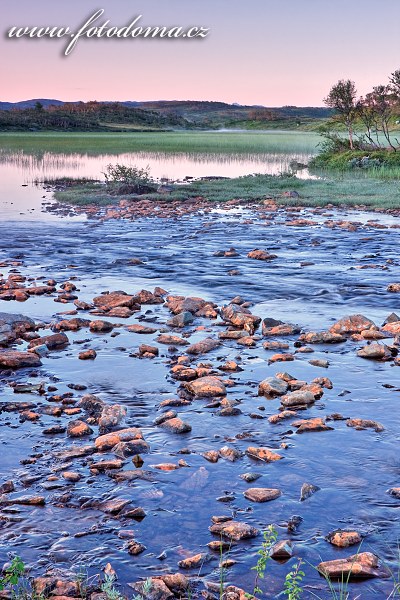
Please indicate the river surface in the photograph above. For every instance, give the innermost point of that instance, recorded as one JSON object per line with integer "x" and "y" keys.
{"x": 354, "y": 469}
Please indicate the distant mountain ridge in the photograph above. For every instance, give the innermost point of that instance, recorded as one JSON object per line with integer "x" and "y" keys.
{"x": 171, "y": 104}
{"x": 52, "y": 114}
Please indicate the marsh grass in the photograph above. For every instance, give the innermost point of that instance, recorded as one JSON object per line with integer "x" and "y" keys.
{"x": 344, "y": 190}
{"x": 95, "y": 144}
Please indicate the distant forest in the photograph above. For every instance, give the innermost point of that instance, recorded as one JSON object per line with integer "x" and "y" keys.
{"x": 42, "y": 115}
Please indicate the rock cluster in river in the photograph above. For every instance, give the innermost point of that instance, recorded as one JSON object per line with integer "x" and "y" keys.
{"x": 192, "y": 341}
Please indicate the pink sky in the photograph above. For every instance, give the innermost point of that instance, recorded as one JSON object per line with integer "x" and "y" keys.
{"x": 270, "y": 52}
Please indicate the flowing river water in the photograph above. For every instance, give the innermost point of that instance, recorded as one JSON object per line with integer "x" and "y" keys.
{"x": 319, "y": 276}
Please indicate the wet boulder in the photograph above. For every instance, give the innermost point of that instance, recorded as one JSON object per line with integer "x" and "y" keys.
{"x": 321, "y": 337}
{"x": 100, "y": 326}
{"x": 87, "y": 354}
{"x": 19, "y": 323}
{"x": 231, "y": 454}
{"x": 281, "y": 416}
{"x": 232, "y": 592}
{"x": 395, "y": 492}
{"x": 109, "y": 440}
{"x": 364, "y": 565}
{"x": 175, "y": 425}
{"x": 261, "y": 494}
{"x": 176, "y": 582}
{"x": 135, "y": 548}
{"x": 114, "y": 300}
{"x": 71, "y": 324}
{"x": 78, "y": 428}
{"x": 92, "y": 405}
{"x": 234, "y": 530}
{"x": 147, "y": 351}
{"x": 55, "y": 587}
{"x": 392, "y": 328}
{"x": 238, "y": 316}
{"x": 278, "y": 329}
{"x": 308, "y": 490}
{"x": 352, "y": 324}
{"x": 13, "y": 326}
{"x": 141, "y": 329}
{"x": 375, "y": 351}
{"x": 171, "y": 340}
{"x": 147, "y": 297}
{"x": 40, "y": 290}
{"x": 365, "y": 424}
{"x": 179, "y": 304}
{"x": 194, "y": 562}
{"x": 311, "y": 425}
{"x": 12, "y": 359}
{"x": 263, "y": 454}
{"x": 257, "y": 254}
{"x": 158, "y": 590}
{"x": 203, "y": 346}
{"x": 344, "y": 539}
{"x": 298, "y": 398}
{"x": 181, "y": 319}
{"x": 53, "y": 342}
{"x": 206, "y": 387}
{"x": 282, "y": 550}
{"x": 110, "y": 417}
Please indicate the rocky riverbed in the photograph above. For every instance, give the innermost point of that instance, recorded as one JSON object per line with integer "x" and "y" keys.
{"x": 170, "y": 383}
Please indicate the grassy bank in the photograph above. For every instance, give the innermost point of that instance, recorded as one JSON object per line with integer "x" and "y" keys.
{"x": 382, "y": 164}
{"x": 338, "y": 191}
{"x": 95, "y": 144}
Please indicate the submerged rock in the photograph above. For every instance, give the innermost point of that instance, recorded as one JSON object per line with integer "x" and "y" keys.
{"x": 365, "y": 424}
{"x": 262, "y": 494}
{"x": 395, "y": 492}
{"x": 307, "y": 490}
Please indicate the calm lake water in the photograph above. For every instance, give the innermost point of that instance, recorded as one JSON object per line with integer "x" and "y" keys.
{"x": 23, "y": 167}
{"x": 315, "y": 280}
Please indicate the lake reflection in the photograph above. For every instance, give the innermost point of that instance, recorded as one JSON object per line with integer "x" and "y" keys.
{"x": 21, "y": 171}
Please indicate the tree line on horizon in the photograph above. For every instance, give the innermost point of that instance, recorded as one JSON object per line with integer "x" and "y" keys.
{"x": 39, "y": 115}
{"x": 377, "y": 111}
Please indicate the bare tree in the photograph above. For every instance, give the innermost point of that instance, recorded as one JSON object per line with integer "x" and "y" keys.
{"x": 367, "y": 115}
{"x": 342, "y": 98}
{"x": 382, "y": 101}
